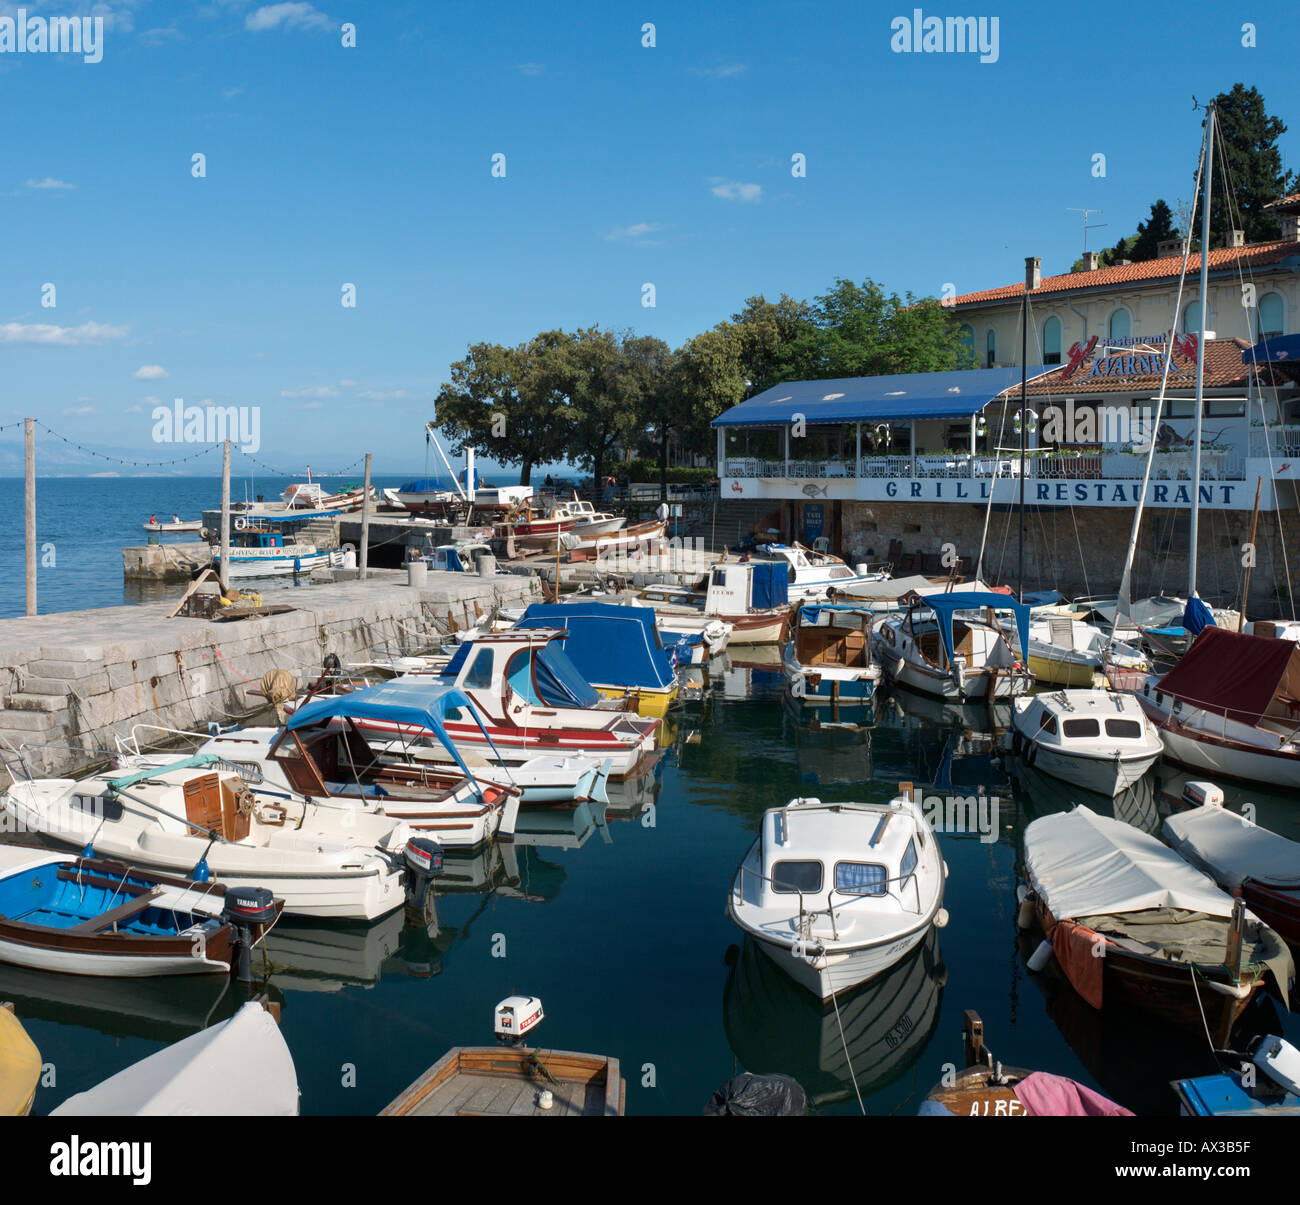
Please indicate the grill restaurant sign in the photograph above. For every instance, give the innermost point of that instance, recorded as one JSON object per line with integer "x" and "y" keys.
{"x": 1105, "y": 492}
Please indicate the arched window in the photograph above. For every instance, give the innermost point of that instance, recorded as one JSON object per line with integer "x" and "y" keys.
{"x": 1192, "y": 318}
{"x": 991, "y": 349}
{"x": 1052, "y": 341}
{"x": 1121, "y": 324}
{"x": 1271, "y": 321}
{"x": 967, "y": 337}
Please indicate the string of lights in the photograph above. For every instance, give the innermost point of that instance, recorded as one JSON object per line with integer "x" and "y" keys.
{"x": 261, "y": 464}
{"x": 206, "y": 450}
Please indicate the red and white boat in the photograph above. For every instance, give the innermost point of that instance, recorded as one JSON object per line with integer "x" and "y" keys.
{"x": 1231, "y": 707}
{"x": 532, "y": 701}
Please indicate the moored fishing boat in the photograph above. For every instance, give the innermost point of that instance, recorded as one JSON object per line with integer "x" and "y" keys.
{"x": 752, "y": 596}
{"x": 828, "y": 658}
{"x": 1174, "y": 944}
{"x": 197, "y": 817}
{"x": 1260, "y": 866}
{"x": 928, "y": 648}
{"x": 836, "y": 893}
{"x": 820, "y": 575}
{"x": 1066, "y": 650}
{"x": 1231, "y": 707}
{"x": 87, "y": 916}
{"x": 263, "y": 546}
{"x": 617, "y": 649}
{"x": 175, "y": 524}
{"x": 1097, "y": 739}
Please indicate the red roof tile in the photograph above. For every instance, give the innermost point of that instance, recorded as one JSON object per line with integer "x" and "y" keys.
{"x": 1254, "y": 256}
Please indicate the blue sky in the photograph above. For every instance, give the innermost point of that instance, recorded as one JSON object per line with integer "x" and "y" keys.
{"x": 624, "y": 165}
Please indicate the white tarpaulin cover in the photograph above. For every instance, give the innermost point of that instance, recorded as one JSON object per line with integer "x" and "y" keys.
{"x": 1233, "y": 850}
{"x": 240, "y": 1068}
{"x": 1082, "y": 864}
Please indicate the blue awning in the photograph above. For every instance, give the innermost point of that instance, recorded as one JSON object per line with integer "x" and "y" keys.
{"x": 1280, "y": 349}
{"x": 611, "y": 645}
{"x": 412, "y": 702}
{"x": 944, "y": 605}
{"x": 906, "y": 398}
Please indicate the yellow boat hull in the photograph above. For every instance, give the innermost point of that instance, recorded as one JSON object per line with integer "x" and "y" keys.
{"x": 20, "y": 1067}
{"x": 652, "y": 704}
{"x": 1052, "y": 672}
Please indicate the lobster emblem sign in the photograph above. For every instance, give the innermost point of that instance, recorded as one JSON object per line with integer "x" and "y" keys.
{"x": 1078, "y": 353}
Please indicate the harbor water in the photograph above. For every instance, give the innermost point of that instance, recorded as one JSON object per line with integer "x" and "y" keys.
{"x": 615, "y": 918}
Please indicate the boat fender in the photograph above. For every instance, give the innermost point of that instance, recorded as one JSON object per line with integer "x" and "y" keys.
{"x": 1025, "y": 917}
{"x": 1041, "y": 956}
{"x": 941, "y": 919}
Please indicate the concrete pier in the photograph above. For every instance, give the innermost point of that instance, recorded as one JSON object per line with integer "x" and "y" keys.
{"x": 164, "y": 562}
{"x": 74, "y": 681}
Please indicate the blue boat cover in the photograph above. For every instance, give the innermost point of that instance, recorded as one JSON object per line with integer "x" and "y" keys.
{"x": 944, "y": 605}
{"x": 908, "y": 397}
{"x": 415, "y": 702}
{"x": 610, "y": 645}
{"x": 428, "y": 485}
{"x": 1197, "y": 616}
{"x": 1280, "y": 349}
{"x": 771, "y": 585}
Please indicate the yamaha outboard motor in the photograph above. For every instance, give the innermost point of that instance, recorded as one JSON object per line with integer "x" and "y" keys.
{"x": 248, "y": 908}
{"x": 423, "y": 865}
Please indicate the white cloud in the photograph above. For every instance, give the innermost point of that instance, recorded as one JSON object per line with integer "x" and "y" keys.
{"x": 636, "y": 231}
{"x": 162, "y": 35}
{"x": 81, "y": 411}
{"x": 294, "y": 15}
{"x": 347, "y": 382}
{"x": 49, "y": 182}
{"x": 736, "y": 190}
{"x": 373, "y": 395}
{"x": 60, "y": 336}
{"x": 231, "y": 93}
{"x": 134, "y": 410}
{"x": 532, "y": 69}
{"x": 310, "y": 391}
{"x": 312, "y": 405}
{"x": 726, "y": 71}
{"x": 150, "y": 372}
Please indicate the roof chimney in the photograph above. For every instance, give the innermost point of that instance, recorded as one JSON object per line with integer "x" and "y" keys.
{"x": 1169, "y": 247}
{"x": 1236, "y": 238}
{"x": 1033, "y": 272}
{"x": 1089, "y": 261}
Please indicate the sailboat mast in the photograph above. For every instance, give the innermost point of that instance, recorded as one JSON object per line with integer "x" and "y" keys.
{"x": 1200, "y": 352}
{"x": 1024, "y": 418}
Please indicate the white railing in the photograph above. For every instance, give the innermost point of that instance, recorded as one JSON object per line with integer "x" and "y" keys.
{"x": 1282, "y": 441}
{"x": 1176, "y": 465}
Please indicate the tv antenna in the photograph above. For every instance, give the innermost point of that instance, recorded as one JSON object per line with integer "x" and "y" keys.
{"x": 1086, "y": 226}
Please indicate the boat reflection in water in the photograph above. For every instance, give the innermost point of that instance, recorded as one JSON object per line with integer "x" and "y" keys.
{"x": 160, "y": 1009}
{"x": 631, "y": 796}
{"x": 914, "y": 709}
{"x": 831, "y": 752}
{"x": 1039, "y": 794}
{"x": 775, "y": 1026}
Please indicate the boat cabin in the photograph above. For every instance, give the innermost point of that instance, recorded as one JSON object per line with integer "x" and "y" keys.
{"x": 738, "y": 589}
{"x": 833, "y": 636}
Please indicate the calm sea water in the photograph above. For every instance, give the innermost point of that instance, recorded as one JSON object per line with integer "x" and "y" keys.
{"x": 83, "y": 523}
{"x": 617, "y": 922}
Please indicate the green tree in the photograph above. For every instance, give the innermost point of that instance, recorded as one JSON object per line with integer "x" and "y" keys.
{"x": 610, "y": 379}
{"x": 708, "y": 376}
{"x": 765, "y": 332}
{"x": 510, "y": 402}
{"x": 1247, "y": 137}
{"x": 1158, "y": 228}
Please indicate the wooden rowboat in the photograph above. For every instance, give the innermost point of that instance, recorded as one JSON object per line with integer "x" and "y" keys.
{"x": 501, "y": 1081}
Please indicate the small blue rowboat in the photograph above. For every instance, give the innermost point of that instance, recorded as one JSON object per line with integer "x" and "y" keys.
{"x": 90, "y": 916}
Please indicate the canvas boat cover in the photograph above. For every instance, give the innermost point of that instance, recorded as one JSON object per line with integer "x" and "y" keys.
{"x": 946, "y": 605}
{"x": 769, "y": 585}
{"x": 1082, "y": 864}
{"x": 1235, "y": 675}
{"x": 1233, "y": 849}
{"x": 240, "y": 1068}
{"x": 610, "y": 645}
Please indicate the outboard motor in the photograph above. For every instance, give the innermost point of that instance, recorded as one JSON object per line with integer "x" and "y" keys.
{"x": 248, "y": 908}
{"x": 331, "y": 667}
{"x": 423, "y": 865}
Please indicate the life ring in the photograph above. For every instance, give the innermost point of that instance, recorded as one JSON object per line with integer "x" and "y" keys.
{"x": 241, "y": 523}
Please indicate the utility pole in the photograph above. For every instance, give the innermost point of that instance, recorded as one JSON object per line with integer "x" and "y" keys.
{"x": 224, "y": 576}
{"x": 29, "y": 500}
{"x": 365, "y": 524}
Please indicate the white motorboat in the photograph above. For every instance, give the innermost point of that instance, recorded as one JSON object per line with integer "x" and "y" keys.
{"x": 1231, "y": 707}
{"x": 751, "y": 596}
{"x": 197, "y": 818}
{"x": 1095, "y": 739}
{"x": 175, "y": 524}
{"x": 968, "y": 659}
{"x": 820, "y": 575}
{"x": 828, "y": 658}
{"x": 239, "y": 1068}
{"x": 1066, "y": 650}
{"x": 836, "y": 893}
{"x": 262, "y": 546}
